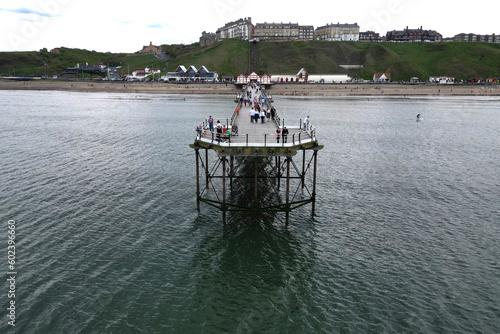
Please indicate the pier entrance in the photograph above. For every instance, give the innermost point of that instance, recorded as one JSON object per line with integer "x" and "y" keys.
{"x": 251, "y": 168}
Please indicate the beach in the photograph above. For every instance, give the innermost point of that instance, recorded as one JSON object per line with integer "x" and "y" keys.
{"x": 295, "y": 89}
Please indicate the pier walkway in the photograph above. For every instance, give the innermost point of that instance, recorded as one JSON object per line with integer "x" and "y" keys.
{"x": 261, "y": 137}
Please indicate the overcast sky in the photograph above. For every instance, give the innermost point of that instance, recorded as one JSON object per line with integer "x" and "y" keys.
{"x": 126, "y": 26}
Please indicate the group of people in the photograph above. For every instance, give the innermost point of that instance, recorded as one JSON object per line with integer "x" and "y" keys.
{"x": 222, "y": 131}
{"x": 264, "y": 115}
{"x": 280, "y": 133}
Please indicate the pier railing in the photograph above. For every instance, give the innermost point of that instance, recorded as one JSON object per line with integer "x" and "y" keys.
{"x": 296, "y": 137}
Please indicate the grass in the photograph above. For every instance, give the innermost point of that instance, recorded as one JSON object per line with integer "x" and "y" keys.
{"x": 402, "y": 60}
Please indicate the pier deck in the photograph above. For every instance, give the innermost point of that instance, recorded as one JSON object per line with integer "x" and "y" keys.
{"x": 257, "y": 138}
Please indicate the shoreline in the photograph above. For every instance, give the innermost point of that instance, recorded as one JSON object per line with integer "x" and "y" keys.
{"x": 288, "y": 89}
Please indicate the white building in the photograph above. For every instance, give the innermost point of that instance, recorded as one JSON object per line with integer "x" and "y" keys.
{"x": 241, "y": 29}
{"x": 337, "y": 32}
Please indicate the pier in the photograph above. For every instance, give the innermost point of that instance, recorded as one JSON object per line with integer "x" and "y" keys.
{"x": 245, "y": 168}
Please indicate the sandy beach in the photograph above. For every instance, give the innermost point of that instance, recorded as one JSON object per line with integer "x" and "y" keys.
{"x": 350, "y": 89}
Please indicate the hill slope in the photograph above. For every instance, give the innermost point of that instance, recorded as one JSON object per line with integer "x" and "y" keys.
{"x": 402, "y": 60}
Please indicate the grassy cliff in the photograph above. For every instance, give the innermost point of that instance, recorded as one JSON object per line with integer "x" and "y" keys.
{"x": 402, "y": 60}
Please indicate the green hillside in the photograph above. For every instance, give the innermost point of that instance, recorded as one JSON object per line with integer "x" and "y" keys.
{"x": 402, "y": 60}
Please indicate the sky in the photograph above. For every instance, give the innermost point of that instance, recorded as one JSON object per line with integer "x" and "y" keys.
{"x": 127, "y": 26}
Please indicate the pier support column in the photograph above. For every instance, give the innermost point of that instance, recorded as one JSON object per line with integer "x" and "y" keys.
{"x": 278, "y": 173}
{"x": 197, "y": 153}
{"x": 255, "y": 178}
{"x": 314, "y": 182}
{"x": 302, "y": 177}
{"x": 287, "y": 190}
{"x": 223, "y": 207}
{"x": 231, "y": 172}
{"x": 207, "y": 173}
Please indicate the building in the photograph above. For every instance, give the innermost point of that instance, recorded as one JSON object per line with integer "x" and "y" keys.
{"x": 413, "y": 35}
{"x": 476, "y": 38}
{"x": 241, "y": 29}
{"x": 243, "y": 79}
{"x": 306, "y": 33}
{"x": 382, "y": 77}
{"x": 276, "y": 31}
{"x": 337, "y": 32}
{"x": 369, "y": 36}
{"x": 142, "y": 74}
{"x": 150, "y": 49}
{"x": 442, "y": 80}
{"x": 208, "y": 38}
{"x": 190, "y": 74}
{"x": 304, "y": 76}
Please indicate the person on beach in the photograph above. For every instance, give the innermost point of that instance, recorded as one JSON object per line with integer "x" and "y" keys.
{"x": 285, "y": 134}
{"x": 211, "y": 123}
{"x": 306, "y": 121}
{"x": 277, "y": 134}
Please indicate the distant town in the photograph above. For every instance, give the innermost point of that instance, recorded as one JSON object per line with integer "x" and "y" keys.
{"x": 244, "y": 30}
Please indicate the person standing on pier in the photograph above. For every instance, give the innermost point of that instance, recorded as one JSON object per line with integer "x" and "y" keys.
{"x": 277, "y": 134}
{"x": 256, "y": 116}
{"x": 252, "y": 115}
{"x": 306, "y": 121}
{"x": 211, "y": 123}
{"x": 219, "y": 130}
{"x": 262, "y": 116}
{"x": 285, "y": 134}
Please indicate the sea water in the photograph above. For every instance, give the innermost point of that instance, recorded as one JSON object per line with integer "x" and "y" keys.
{"x": 102, "y": 191}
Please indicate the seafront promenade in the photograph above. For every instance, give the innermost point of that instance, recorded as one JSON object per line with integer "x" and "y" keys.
{"x": 288, "y": 89}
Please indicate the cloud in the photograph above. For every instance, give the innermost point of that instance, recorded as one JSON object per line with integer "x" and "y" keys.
{"x": 123, "y": 21}
{"x": 157, "y": 25}
{"x": 28, "y": 20}
{"x": 23, "y": 10}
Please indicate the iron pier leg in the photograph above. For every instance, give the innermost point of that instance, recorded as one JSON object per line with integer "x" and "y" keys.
{"x": 287, "y": 189}
{"x": 207, "y": 173}
{"x": 302, "y": 178}
{"x": 231, "y": 167}
{"x": 223, "y": 190}
{"x": 197, "y": 180}
{"x": 314, "y": 182}
{"x": 279, "y": 172}
{"x": 255, "y": 179}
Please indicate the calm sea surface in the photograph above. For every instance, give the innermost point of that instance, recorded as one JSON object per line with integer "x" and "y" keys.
{"x": 406, "y": 237}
